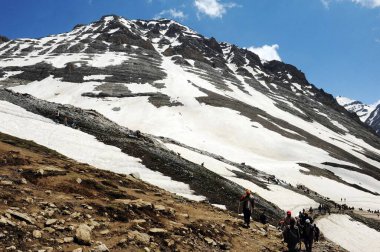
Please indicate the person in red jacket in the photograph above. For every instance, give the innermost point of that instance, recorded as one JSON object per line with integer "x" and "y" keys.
{"x": 248, "y": 205}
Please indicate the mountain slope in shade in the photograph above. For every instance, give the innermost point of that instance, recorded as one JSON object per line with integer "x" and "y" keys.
{"x": 369, "y": 114}
{"x": 213, "y": 118}
{"x": 374, "y": 119}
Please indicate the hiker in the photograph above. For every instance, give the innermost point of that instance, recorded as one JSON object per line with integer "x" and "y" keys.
{"x": 56, "y": 116}
{"x": 287, "y": 219}
{"x": 263, "y": 218}
{"x": 248, "y": 206}
{"x": 291, "y": 235}
{"x": 74, "y": 124}
{"x": 308, "y": 235}
{"x": 316, "y": 233}
{"x": 300, "y": 215}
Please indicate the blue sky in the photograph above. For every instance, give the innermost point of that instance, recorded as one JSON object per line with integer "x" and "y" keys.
{"x": 336, "y": 43}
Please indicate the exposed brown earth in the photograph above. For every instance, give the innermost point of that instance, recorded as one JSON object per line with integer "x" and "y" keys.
{"x": 52, "y": 203}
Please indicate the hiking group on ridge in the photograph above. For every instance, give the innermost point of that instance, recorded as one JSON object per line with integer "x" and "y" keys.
{"x": 295, "y": 230}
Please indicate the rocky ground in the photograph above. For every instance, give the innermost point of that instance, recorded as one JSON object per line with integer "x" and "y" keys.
{"x": 52, "y": 203}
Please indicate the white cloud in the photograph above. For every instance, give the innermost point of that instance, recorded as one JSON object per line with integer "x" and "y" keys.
{"x": 326, "y": 3}
{"x": 171, "y": 13}
{"x": 365, "y": 3}
{"x": 368, "y": 3}
{"x": 213, "y": 8}
{"x": 266, "y": 52}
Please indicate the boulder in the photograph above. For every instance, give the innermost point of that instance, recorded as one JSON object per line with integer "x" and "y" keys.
{"x": 138, "y": 221}
{"x": 159, "y": 208}
{"x": 157, "y": 231}
{"x": 50, "y": 222}
{"x": 210, "y": 241}
{"x": 137, "y": 203}
{"x": 68, "y": 239}
{"x": 83, "y": 235}
{"x": 37, "y": 234}
{"x": 5, "y": 221}
{"x": 6, "y": 182}
{"x": 21, "y": 216}
{"x": 101, "y": 248}
{"x": 105, "y": 232}
{"x": 141, "y": 238}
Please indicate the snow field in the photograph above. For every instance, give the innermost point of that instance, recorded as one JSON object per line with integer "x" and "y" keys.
{"x": 283, "y": 198}
{"x": 209, "y": 128}
{"x": 82, "y": 147}
{"x": 351, "y": 235}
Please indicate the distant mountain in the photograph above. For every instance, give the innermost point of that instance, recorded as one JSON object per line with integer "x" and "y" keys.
{"x": 374, "y": 119}
{"x": 369, "y": 114}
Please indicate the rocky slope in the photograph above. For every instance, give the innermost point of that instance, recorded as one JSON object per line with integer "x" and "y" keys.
{"x": 52, "y": 203}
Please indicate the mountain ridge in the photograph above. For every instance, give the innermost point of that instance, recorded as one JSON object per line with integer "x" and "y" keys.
{"x": 369, "y": 114}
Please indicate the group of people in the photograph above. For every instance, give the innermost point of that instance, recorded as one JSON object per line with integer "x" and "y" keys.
{"x": 323, "y": 209}
{"x": 294, "y": 229}
{"x": 298, "y": 229}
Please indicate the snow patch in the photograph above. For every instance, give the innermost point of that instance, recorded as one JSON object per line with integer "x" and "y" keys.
{"x": 351, "y": 235}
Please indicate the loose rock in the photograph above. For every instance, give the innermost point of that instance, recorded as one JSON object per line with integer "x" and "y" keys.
{"x": 37, "y": 234}
{"x": 83, "y": 235}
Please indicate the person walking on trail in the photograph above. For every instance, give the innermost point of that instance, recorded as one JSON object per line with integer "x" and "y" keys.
{"x": 287, "y": 220}
{"x": 291, "y": 235}
{"x": 308, "y": 235}
{"x": 248, "y": 206}
{"x": 263, "y": 218}
{"x": 316, "y": 233}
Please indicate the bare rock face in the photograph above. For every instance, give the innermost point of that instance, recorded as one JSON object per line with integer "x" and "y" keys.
{"x": 83, "y": 235}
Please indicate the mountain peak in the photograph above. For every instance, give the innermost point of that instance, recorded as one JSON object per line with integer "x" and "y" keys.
{"x": 200, "y": 118}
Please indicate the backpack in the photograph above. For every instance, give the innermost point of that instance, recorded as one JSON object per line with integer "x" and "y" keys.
{"x": 291, "y": 236}
{"x": 308, "y": 232}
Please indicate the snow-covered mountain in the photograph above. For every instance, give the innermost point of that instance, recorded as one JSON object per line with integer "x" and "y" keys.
{"x": 213, "y": 117}
{"x": 369, "y": 114}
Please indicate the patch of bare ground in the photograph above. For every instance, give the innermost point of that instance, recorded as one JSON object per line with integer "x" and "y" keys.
{"x": 52, "y": 203}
